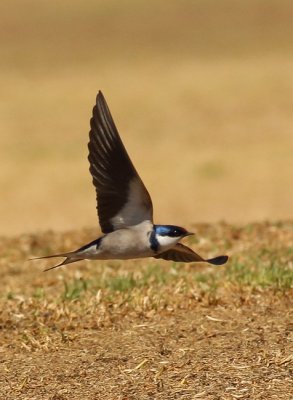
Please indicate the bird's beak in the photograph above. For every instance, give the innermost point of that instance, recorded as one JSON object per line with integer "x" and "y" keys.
{"x": 189, "y": 234}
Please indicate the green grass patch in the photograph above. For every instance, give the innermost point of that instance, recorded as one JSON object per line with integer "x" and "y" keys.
{"x": 259, "y": 270}
{"x": 75, "y": 288}
{"x": 261, "y": 274}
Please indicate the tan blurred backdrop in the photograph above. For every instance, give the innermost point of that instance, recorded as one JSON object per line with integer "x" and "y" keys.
{"x": 201, "y": 92}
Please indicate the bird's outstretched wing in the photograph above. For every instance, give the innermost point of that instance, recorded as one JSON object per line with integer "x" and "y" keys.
{"x": 181, "y": 253}
{"x": 122, "y": 198}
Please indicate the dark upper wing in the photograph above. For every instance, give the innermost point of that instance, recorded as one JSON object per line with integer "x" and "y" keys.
{"x": 181, "y": 253}
{"x": 122, "y": 199}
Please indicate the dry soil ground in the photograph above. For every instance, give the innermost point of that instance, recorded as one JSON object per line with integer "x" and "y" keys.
{"x": 149, "y": 329}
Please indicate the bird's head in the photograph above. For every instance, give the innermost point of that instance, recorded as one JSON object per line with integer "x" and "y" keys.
{"x": 169, "y": 235}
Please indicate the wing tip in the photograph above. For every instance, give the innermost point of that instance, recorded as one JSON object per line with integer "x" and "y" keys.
{"x": 220, "y": 260}
{"x": 100, "y": 97}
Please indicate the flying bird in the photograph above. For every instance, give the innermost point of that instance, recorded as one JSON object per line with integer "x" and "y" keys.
{"x": 124, "y": 206}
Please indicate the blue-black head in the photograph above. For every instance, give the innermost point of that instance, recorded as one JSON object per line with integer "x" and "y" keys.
{"x": 165, "y": 237}
{"x": 171, "y": 231}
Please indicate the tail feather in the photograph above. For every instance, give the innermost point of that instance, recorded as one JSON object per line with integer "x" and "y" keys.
{"x": 52, "y": 256}
{"x": 68, "y": 259}
{"x": 64, "y": 262}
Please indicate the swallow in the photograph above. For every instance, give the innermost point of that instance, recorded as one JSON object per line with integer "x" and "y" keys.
{"x": 124, "y": 206}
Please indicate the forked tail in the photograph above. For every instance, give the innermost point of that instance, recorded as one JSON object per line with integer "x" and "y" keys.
{"x": 68, "y": 259}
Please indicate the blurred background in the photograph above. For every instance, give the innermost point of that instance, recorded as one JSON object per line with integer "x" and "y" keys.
{"x": 201, "y": 92}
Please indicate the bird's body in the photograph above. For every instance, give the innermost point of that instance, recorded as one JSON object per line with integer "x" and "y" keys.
{"x": 124, "y": 205}
{"x": 123, "y": 244}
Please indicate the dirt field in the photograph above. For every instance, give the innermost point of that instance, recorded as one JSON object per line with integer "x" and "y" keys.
{"x": 150, "y": 329}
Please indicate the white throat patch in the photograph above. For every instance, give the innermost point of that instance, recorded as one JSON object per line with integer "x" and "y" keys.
{"x": 167, "y": 242}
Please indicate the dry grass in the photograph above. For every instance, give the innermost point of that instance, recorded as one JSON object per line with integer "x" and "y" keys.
{"x": 149, "y": 329}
